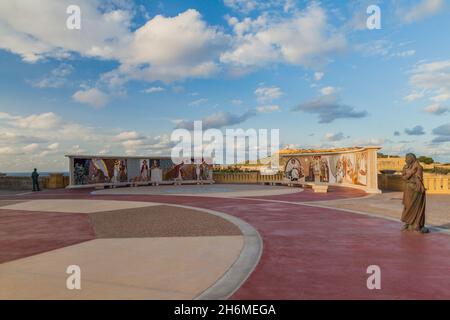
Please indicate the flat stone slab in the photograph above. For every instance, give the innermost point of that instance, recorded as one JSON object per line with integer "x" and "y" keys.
{"x": 76, "y": 206}
{"x": 320, "y": 188}
{"x": 217, "y": 190}
{"x": 142, "y": 268}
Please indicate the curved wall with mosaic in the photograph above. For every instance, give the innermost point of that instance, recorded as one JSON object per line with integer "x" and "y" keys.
{"x": 95, "y": 170}
{"x": 355, "y": 167}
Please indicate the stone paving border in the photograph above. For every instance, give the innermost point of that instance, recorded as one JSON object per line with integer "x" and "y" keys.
{"x": 244, "y": 265}
{"x": 373, "y": 215}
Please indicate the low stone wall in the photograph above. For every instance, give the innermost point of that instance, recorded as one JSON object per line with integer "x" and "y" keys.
{"x": 238, "y": 177}
{"x": 53, "y": 181}
{"x": 390, "y": 182}
{"x": 246, "y": 177}
{"x": 435, "y": 184}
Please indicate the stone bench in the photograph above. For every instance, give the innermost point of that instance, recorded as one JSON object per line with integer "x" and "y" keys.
{"x": 320, "y": 188}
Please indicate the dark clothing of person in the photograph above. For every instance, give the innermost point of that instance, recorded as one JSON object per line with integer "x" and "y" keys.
{"x": 35, "y": 179}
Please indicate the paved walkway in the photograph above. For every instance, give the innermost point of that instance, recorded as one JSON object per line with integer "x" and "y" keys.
{"x": 125, "y": 249}
{"x": 389, "y": 204}
{"x": 315, "y": 252}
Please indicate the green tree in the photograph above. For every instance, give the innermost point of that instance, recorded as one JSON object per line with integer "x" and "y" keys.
{"x": 426, "y": 160}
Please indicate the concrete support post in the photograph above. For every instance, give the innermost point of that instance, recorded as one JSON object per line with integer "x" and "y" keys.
{"x": 372, "y": 170}
{"x": 71, "y": 172}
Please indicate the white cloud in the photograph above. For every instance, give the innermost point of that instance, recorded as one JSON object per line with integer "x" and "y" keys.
{"x": 415, "y": 131}
{"x": 53, "y": 146}
{"x": 334, "y": 136}
{"x": 244, "y": 6}
{"x": 187, "y": 47}
{"x": 76, "y": 149}
{"x": 329, "y": 108}
{"x": 56, "y": 78}
{"x": 431, "y": 78}
{"x": 7, "y": 151}
{"x": 132, "y": 144}
{"x": 154, "y": 89}
{"x": 198, "y": 102}
{"x": 318, "y": 76}
{"x": 268, "y": 94}
{"x": 436, "y": 108}
{"x": 384, "y": 48}
{"x": 268, "y": 108}
{"x": 47, "y": 120}
{"x": 406, "y": 53}
{"x": 303, "y": 39}
{"x": 93, "y": 97}
{"x": 128, "y": 135}
{"x": 21, "y": 144}
{"x": 441, "y": 97}
{"x": 237, "y": 102}
{"x": 424, "y": 9}
{"x": 414, "y": 96}
{"x": 218, "y": 120}
{"x": 31, "y": 147}
{"x": 34, "y": 33}
{"x": 247, "y": 6}
{"x": 328, "y": 90}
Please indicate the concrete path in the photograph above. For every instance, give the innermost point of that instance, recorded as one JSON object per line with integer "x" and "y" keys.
{"x": 125, "y": 249}
{"x": 220, "y": 191}
{"x": 139, "y": 268}
{"x": 75, "y": 206}
{"x": 389, "y": 205}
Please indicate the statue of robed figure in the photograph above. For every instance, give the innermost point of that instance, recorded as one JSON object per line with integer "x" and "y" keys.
{"x": 414, "y": 196}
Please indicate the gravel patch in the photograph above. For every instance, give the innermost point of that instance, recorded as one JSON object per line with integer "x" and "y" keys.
{"x": 159, "y": 221}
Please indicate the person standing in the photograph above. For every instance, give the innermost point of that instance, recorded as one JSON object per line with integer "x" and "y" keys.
{"x": 414, "y": 196}
{"x": 35, "y": 179}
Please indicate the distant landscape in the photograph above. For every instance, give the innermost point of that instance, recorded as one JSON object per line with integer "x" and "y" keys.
{"x": 25, "y": 174}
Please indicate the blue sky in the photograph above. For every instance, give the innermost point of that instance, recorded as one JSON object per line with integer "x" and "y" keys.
{"x": 137, "y": 70}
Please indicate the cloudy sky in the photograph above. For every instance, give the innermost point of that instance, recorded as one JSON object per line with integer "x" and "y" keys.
{"x": 137, "y": 70}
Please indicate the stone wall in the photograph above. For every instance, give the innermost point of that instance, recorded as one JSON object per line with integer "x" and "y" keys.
{"x": 53, "y": 181}
{"x": 397, "y": 164}
{"x": 238, "y": 177}
{"x": 390, "y": 182}
{"x": 435, "y": 184}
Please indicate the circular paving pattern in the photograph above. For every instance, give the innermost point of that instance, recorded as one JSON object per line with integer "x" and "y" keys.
{"x": 312, "y": 250}
{"x": 125, "y": 249}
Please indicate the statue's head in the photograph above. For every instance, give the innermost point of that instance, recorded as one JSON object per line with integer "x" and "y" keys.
{"x": 410, "y": 158}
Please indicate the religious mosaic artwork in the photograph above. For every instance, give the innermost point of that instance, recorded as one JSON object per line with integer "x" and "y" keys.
{"x": 347, "y": 168}
{"x": 138, "y": 170}
{"x": 152, "y": 170}
{"x": 190, "y": 171}
{"x": 97, "y": 170}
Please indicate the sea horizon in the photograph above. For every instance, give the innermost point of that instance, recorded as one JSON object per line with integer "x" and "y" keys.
{"x": 25, "y": 174}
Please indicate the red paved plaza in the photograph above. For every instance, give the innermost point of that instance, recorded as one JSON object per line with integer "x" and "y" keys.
{"x": 309, "y": 252}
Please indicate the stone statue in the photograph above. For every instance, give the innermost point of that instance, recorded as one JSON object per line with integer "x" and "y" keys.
{"x": 414, "y": 197}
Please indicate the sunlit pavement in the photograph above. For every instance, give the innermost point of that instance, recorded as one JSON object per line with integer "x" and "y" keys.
{"x": 316, "y": 252}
